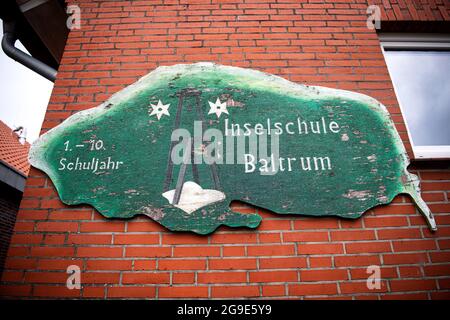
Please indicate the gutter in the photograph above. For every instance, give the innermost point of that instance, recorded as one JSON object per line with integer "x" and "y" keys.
{"x": 8, "y": 41}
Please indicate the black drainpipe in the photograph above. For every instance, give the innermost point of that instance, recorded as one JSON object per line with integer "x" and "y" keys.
{"x": 8, "y": 41}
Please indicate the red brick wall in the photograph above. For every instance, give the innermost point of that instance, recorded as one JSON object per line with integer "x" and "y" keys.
{"x": 315, "y": 42}
{"x": 9, "y": 205}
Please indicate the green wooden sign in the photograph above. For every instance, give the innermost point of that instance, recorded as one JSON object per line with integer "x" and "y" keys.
{"x": 184, "y": 141}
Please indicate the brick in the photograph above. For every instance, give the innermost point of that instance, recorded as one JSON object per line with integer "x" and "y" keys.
{"x": 183, "y": 292}
{"x": 184, "y": 264}
{"x": 311, "y": 223}
{"x": 352, "y": 235}
{"x": 55, "y": 291}
{"x": 221, "y": 277}
{"x": 96, "y": 252}
{"x": 405, "y": 296}
{"x": 32, "y": 214}
{"x": 148, "y": 252}
{"x": 358, "y": 260}
{"x": 20, "y": 263}
{"x": 108, "y": 264}
{"x": 444, "y": 244}
{"x": 57, "y": 226}
{"x": 410, "y": 272}
{"x": 26, "y": 238}
{"x": 312, "y": 289}
{"x": 144, "y": 265}
{"x": 234, "y": 238}
{"x": 145, "y": 277}
{"x": 232, "y": 264}
{"x": 269, "y": 237}
{"x": 444, "y": 283}
{"x": 323, "y": 275}
{"x": 395, "y": 209}
{"x": 147, "y": 226}
{"x": 52, "y": 252}
{"x": 412, "y": 285}
{"x": 136, "y": 239}
{"x": 305, "y": 236}
{"x": 360, "y": 287}
{"x": 405, "y": 258}
{"x": 435, "y": 175}
{"x": 435, "y": 186}
{"x": 89, "y": 239}
{"x": 45, "y": 277}
{"x": 74, "y": 215}
{"x": 233, "y": 251}
{"x": 273, "y": 291}
{"x": 94, "y": 292}
{"x": 413, "y": 245}
{"x": 12, "y": 276}
{"x": 53, "y": 203}
{"x": 131, "y": 292}
{"x": 440, "y": 207}
{"x": 109, "y": 226}
{"x": 23, "y": 226}
{"x": 437, "y": 270}
{"x": 275, "y": 225}
{"x": 234, "y": 291}
{"x": 197, "y": 251}
{"x": 368, "y": 247}
{"x": 334, "y": 248}
{"x": 376, "y": 222}
{"x": 183, "y": 239}
{"x": 57, "y": 263}
{"x": 273, "y": 276}
{"x": 282, "y": 263}
{"x": 320, "y": 262}
{"x": 440, "y": 256}
{"x": 272, "y": 250}
{"x": 410, "y": 233}
{"x": 100, "y": 277}
{"x": 11, "y": 290}
{"x": 186, "y": 278}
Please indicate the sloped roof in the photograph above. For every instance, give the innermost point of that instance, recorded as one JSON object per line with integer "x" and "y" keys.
{"x": 12, "y": 152}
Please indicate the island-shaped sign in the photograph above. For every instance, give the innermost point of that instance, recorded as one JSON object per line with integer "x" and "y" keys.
{"x": 184, "y": 141}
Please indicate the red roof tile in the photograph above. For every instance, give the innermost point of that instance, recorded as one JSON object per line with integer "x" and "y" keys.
{"x": 12, "y": 152}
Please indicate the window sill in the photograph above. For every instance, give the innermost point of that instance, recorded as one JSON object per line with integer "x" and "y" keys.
{"x": 431, "y": 152}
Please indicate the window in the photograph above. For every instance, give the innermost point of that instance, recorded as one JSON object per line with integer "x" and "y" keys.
{"x": 419, "y": 66}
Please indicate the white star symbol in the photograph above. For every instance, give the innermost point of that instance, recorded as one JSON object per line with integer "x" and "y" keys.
{"x": 160, "y": 109}
{"x": 218, "y": 108}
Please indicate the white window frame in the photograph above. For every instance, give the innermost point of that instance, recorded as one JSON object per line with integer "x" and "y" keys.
{"x": 417, "y": 41}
